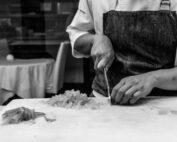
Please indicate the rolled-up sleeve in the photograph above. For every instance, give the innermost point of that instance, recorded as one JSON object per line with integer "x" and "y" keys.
{"x": 81, "y": 24}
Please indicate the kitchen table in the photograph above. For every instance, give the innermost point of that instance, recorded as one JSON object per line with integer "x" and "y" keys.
{"x": 152, "y": 120}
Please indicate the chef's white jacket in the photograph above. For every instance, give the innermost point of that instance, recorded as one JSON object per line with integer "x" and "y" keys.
{"x": 89, "y": 15}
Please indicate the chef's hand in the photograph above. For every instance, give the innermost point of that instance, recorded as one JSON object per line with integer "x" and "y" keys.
{"x": 131, "y": 89}
{"x": 102, "y": 52}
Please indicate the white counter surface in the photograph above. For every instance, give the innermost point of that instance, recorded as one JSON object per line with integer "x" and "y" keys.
{"x": 154, "y": 120}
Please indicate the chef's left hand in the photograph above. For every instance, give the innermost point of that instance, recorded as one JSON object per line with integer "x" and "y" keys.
{"x": 131, "y": 89}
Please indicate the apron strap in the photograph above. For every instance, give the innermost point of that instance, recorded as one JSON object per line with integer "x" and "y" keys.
{"x": 165, "y": 5}
{"x": 116, "y": 3}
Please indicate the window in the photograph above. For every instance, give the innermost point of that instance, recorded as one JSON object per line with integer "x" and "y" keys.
{"x": 31, "y": 28}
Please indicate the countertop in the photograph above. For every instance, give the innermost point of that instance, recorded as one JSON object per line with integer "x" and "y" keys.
{"x": 153, "y": 119}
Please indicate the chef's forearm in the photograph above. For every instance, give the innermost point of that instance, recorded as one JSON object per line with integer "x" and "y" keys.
{"x": 166, "y": 79}
{"x": 84, "y": 44}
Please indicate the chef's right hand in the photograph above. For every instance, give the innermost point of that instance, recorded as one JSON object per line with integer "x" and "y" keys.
{"x": 102, "y": 52}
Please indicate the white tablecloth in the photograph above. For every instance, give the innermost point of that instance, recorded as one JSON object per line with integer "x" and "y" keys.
{"x": 27, "y": 78}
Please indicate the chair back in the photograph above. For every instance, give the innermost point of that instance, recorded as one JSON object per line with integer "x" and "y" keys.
{"x": 59, "y": 68}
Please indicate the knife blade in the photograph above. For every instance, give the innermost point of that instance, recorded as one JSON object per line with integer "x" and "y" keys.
{"x": 107, "y": 84}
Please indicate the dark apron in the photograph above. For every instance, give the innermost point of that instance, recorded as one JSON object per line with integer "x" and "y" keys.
{"x": 143, "y": 41}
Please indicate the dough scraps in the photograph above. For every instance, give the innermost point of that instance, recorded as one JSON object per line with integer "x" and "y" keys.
{"x": 73, "y": 99}
{"x": 17, "y": 115}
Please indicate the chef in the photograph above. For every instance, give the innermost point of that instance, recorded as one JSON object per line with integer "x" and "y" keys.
{"x": 135, "y": 40}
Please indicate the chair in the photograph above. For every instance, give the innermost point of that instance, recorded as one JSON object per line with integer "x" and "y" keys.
{"x": 59, "y": 68}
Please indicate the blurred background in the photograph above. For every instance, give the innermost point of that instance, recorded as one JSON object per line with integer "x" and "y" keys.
{"x": 35, "y": 28}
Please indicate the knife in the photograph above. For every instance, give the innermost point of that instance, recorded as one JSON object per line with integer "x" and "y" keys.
{"x": 107, "y": 84}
